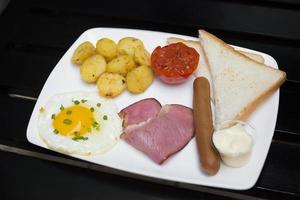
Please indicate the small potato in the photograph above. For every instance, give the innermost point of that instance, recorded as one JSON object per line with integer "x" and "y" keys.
{"x": 107, "y": 48}
{"x": 111, "y": 84}
{"x": 127, "y": 45}
{"x": 139, "y": 79}
{"x": 82, "y": 52}
{"x": 121, "y": 65}
{"x": 92, "y": 68}
{"x": 141, "y": 56}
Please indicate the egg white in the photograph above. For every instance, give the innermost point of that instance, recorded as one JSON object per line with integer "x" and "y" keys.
{"x": 98, "y": 141}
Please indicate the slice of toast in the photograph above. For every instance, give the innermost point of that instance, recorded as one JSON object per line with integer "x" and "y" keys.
{"x": 240, "y": 84}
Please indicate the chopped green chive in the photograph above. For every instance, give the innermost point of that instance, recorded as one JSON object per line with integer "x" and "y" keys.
{"x": 92, "y": 109}
{"x": 89, "y": 130}
{"x": 76, "y": 138}
{"x": 55, "y": 131}
{"x": 83, "y": 100}
{"x": 62, "y": 107}
{"x": 105, "y": 117}
{"x": 76, "y": 102}
{"x": 67, "y": 121}
{"x": 53, "y": 116}
{"x": 98, "y": 104}
{"x": 96, "y": 125}
{"x": 69, "y": 112}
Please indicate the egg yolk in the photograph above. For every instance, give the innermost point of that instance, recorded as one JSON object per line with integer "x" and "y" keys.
{"x": 74, "y": 120}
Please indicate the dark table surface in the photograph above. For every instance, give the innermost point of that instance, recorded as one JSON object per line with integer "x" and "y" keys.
{"x": 35, "y": 34}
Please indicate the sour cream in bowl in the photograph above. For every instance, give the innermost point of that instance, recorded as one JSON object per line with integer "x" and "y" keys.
{"x": 235, "y": 143}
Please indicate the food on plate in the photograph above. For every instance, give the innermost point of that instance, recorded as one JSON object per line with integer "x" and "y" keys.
{"x": 128, "y": 56}
{"x": 204, "y": 69}
{"x": 121, "y": 65}
{"x": 140, "y": 111}
{"x": 128, "y": 45}
{"x": 107, "y": 48}
{"x": 92, "y": 68}
{"x": 160, "y": 135}
{"x": 139, "y": 79}
{"x": 239, "y": 83}
{"x": 111, "y": 84}
{"x": 82, "y": 52}
{"x": 203, "y": 122}
{"x": 234, "y": 145}
{"x": 79, "y": 123}
{"x": 197, "y": 45}
{"x": 174, "y": 63}
{"x": 141, "y": 56}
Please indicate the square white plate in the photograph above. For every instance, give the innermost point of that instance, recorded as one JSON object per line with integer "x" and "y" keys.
{"x": 184, "y": 165}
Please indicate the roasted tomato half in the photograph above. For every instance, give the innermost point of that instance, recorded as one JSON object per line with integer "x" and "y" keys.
{"x": 174, "y": 63}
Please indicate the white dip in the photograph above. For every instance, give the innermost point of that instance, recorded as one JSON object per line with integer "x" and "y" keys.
{"x": 234, "y": 145}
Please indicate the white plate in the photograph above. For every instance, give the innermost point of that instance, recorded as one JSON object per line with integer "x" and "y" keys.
{"x": 182, "y": 167}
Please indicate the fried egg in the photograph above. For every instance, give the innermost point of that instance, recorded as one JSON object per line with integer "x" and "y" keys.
{"x": 79, "y": 123}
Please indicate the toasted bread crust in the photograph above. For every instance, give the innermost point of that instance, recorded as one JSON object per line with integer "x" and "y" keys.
{"x": 250, "y": 107}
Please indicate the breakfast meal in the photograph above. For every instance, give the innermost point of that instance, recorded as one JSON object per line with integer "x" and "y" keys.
{"x": 228, "y": 85}
{"x": 79, "y": 123}
{"x": 159, "y": 132}
{"x": 113, "y": 67}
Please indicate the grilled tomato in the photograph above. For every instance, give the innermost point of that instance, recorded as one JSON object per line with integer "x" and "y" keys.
{"x": 174, "y": 63}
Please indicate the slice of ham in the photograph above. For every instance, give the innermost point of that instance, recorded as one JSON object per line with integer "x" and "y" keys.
{"x": 140, "y": 111}
{"x": 163, "y": 135}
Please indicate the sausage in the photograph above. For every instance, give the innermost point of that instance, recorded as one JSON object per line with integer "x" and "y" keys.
{"x": 209, "y": 156}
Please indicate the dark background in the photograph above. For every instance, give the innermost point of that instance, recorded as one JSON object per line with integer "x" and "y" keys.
{"x": 35, "y": 34}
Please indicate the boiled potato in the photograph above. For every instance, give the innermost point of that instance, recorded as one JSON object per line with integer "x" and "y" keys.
{"x": 128, "y": 45}
{"x": 111, "y": 84}
{"x": 92, "y": 68}
{"x": 107, "y": 48}
{"x": 139, "y": 79}
{"x": 141, "y": 56}
{"x": 82, "y": 52}
{"x": 121, "y": 65}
